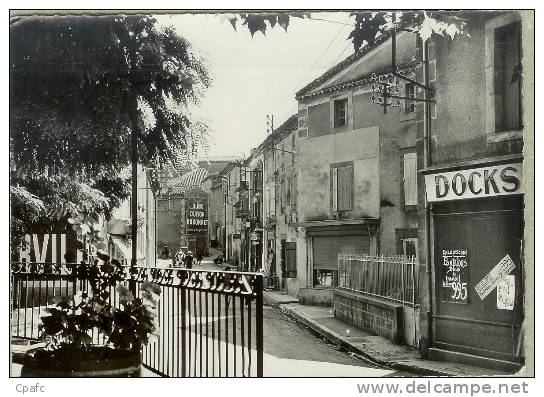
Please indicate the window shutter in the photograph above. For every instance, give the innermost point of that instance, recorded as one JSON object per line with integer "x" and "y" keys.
{"x": 267, "y": 201}
{"x": 334, "y": 189}
{"x": 410, "y": 179}
{"x": 507, "y": 73}
{"x": 273, "y": 200}
{"x": 351, "y": 194}
{"x": 344, "y": 188}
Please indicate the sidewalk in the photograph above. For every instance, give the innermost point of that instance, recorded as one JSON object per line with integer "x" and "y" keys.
{"x": 373, "y": 348}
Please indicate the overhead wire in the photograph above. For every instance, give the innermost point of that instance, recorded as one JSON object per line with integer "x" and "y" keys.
{"x": 314, "y": 64}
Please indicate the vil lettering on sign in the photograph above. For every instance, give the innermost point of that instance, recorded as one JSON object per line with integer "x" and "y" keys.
{"x": 47, "y": 252}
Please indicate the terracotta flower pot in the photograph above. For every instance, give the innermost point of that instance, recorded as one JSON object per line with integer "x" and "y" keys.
{"x": 96, "y": 361}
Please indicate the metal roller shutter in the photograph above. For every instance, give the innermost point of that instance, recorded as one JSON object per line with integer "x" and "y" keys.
{"x": 327, "y": 248}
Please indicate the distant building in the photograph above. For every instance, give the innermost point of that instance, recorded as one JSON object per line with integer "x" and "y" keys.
{"x": 119, "y": 228}
{"x": 182, "y": 214}
{"x": 232, "y": 178}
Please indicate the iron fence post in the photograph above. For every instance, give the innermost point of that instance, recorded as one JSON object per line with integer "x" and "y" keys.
{"x": 259, "y": 323}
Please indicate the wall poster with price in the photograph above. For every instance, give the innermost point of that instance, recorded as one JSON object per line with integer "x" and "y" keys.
{"x": 455, "y": 275}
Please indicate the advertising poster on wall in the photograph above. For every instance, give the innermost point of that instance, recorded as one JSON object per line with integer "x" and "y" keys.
{"x": 454, "y": 280}
{"x": 196, "y": 211}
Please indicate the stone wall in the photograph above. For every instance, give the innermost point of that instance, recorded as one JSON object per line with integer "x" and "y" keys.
{"x": 371, "y": 314}
{"x": 315, "y": 296}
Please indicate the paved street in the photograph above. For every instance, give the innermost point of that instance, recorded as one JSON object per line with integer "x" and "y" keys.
{"x": 289, "y": 349}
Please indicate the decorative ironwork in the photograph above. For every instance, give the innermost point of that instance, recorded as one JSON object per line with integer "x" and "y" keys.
{"x": 387, "y": 85}
{"x": 389, "y": 277}
{"x": 199, "y": 334}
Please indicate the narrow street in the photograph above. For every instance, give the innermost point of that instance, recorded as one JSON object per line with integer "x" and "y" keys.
{"x": 290, "y": 350}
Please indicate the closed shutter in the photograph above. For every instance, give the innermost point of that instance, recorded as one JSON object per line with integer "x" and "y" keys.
{"x": 327, "y": 248}
{"x": 291, "y": 259}
{"x": 267, "y": 201}
{"x": 273, "y": 200}
{"x": 507, "y": 77}
{"x": 410, "y": 179}
{"x": 294, "y": 192}
{"x": 334, "y": 189}
{"x": 344, "y": 188}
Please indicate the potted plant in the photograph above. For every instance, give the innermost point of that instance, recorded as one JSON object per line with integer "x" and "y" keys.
{"x": 68, "y": 328}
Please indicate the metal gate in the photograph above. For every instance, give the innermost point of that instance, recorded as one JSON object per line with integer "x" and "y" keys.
{"x": 210, "y": 322}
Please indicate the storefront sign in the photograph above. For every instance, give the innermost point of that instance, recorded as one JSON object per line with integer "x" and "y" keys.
{"x": 499, "y": 180}
{"x": 196, "y": 211}
{"x": 494, "y": 277}
{"x": 454, "y": 275}
{"x": 52, "y": 248}
{"x": 506, "y": 293}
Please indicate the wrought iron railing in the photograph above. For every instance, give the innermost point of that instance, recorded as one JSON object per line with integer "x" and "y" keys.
{"x": 210, "y": 322}
{"x": 393, "y": 278}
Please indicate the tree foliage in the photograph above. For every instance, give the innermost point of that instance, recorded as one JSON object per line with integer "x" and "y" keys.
{"x": 369, "y": 25}
{"x": 78, "y": 87}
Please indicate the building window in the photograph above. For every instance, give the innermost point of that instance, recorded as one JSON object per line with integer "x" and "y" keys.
{"x": 325, "y": 277}
{"x": 409, "y": 92}
{"x": 291, "y": 259}
{"x": 410, "y": 179}
{"x": 342, "y": 187}
{"x": 507, "y": 77}
{"x": 409, "y": 247}
{"x": 340, "y": 112}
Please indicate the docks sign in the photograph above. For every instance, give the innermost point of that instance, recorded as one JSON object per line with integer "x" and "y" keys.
{"x": 481, "y": 182}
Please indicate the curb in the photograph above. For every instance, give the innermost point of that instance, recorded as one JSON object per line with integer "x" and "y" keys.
{"x": 337, "y": 340}
{"x": 275, "y": 304}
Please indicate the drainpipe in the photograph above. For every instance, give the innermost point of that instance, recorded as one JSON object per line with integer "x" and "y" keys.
{"x": 427, "y": 158}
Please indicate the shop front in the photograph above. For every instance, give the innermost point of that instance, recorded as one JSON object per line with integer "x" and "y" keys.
{"x": 325, "y": 241}
{"x": 478, "y": 267}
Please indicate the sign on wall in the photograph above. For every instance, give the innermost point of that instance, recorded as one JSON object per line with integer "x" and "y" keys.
{"x": 499, "y": 180}
{"x": 454, "y": 278}
{"x": 506, "y": 293}
{"x": 495, "y": 276}
{"x": 196, "y": 215}
{"x": 51, "y": 248}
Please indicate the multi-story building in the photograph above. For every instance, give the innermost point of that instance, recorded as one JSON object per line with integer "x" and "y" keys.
{"x": 119, "y": 228}
{"x": 216, "y": 212}
{"x": 231, "y": 176}
{"x": 283, "y": 150}
{"x": 471, "y": 162}
{"x": 356, "y": 171}
{"x": 254, "y": 232}
{"x": 182, "y": 215}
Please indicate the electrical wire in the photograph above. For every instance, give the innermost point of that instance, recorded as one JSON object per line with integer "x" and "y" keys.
{"x": 315, "y": 62}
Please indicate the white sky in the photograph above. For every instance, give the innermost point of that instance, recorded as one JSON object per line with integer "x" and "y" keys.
{"x": 259, "y": 75}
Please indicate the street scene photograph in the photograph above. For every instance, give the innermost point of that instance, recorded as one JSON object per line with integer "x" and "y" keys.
{"x": 271, "y": 194}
